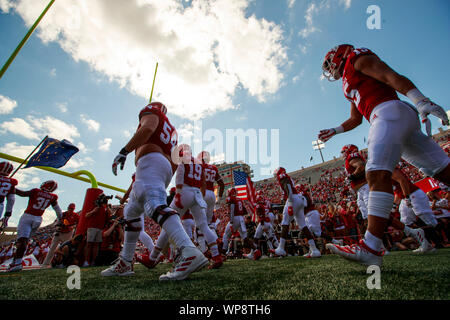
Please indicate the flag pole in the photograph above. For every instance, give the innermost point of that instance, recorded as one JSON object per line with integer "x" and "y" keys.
{"x": 28, "y": 156}
{"x": 24, "y": 40}
{"x": 154, "y": 77}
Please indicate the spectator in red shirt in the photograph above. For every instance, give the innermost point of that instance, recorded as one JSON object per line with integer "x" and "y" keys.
{"x": 95, "y": 223}
{"x": 63, "y": 233}
{"x": 349, "y": 217}
{"x": 112, "y": 239}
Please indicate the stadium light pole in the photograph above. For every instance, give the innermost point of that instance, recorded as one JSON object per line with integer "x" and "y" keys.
{"x": 24, "y": 40}
{"x": 319, "y": 145}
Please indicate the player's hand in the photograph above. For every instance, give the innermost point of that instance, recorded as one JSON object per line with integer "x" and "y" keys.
{"x": 426, "y": 107}
{"x": 326, "y": 134}
{"x": 290, "y": 211}
{"x": 119, "y": 160}
{"x": 427, "y": 126}
{"x": 178, "y": 201}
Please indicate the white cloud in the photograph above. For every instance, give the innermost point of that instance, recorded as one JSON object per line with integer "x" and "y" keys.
{"x": 5, "y": 5}
{"x": 127, "y": 133}
{"x": 346, "y": 3}
{"x": 7, "y": 105}
{"x": 62, "y": 106}
{"x": 218, "y": 158}
{"x": 20, "y": 127}
{"x": 79, "y": 163}
{"x": 90, "y": 123}
{"x": 38, "y": 128}
{"x": 16, "y": 150}
{"x": 104, "y": 144}
{"x": 310, "y": 28}
{"x": 82, "y": 147}
{"x": 291, "y": 3}
{"x": 53, "y": 72}
{"x": 211, "y": 47}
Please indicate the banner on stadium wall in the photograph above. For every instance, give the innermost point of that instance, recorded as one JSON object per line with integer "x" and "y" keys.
{"x": 427, "y": 184}
{"x": 28, "y": 262}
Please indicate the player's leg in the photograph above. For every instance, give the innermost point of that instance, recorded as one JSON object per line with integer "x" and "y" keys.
{"x": 226, "y": 237}
{"x": 391, "y": 124}
{"x": 287, "y": 218}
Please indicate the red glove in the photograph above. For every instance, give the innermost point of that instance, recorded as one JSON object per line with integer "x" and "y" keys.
{"x": 290, "y": 211}
{"x": 178, "y": 201}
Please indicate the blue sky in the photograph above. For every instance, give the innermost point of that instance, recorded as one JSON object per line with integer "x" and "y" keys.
{"x": 87, "y": 70}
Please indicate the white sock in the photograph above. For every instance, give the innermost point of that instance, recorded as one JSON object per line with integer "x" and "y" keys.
{"x": 146, "y": 240}
{"x": 407, "y": 230}
{"x": 129, "y": 245}
{"x": 282, "y": 243}
{"x": 214, "y": 250}
{"x": 312, "y": 244}
{"x": 372, "y": 242}
{"x": 176, "y": 233}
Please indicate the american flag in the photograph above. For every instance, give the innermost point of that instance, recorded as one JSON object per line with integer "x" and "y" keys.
{"x": 245, "y": 189}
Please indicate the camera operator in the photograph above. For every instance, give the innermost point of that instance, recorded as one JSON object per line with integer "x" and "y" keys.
{"x": 95, "y": 223}
{"x": 64, "y": 231}
{"x": 66, "y": 255}
{"x": 112, "y": 240}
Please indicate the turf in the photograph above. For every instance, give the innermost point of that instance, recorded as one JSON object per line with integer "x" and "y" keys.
{"x": 404, "y": 276}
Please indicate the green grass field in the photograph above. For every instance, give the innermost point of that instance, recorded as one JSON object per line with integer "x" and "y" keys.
{"x": 404, "y": 276}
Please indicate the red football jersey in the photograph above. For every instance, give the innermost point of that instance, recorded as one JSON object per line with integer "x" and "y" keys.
{"x": 40, "y": 200}
{"x": 7, "y": 186}
{"x": 165, "y": 135}
{"x": 211, "y": 175}
{"x": 238, "y": 206}
{"x": 193, "y": 174}
{"x": 70, "y": 219}
{"x": 281, "y": 177}
{"x": 261, "y": 213}
{"x": 350, "y": 169}
{"x": 366, "y": 92}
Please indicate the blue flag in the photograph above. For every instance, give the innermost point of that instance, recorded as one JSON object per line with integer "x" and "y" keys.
{"x": 53, "y": 153}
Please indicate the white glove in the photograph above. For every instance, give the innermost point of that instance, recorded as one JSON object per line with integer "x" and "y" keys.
{"x": 326, "y": 134}
{"x": 119, "y": 159}
{"x": 427, "y": 126}
{"x": 426, "y": 107}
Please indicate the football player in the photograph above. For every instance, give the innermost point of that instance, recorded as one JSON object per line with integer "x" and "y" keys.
{"x": 39, "y": 199}
{"x": 237, "y": 224}
{"x": 7, "y": 190}
{"x": 293, "y": 209}
{"x": 355, "y": 166}
{"x": 414, "y": 204}
{"x": 264, "y": 224}
{"x": 190, "y": 187}
{"x": 153, "y": 143}
{"x": 211, "y": 176}
{"x": 371, "y": 86}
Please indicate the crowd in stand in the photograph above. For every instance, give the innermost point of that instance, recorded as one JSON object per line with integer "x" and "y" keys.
{"x": 340, "y": 218}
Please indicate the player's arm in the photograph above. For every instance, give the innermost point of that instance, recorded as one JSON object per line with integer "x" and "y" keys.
{"x": 220, "y": 183}
{"x": 10, "y": 200}
{"x": 148, "y": 125}
{"x": 398, "y": 176}
{"x": 21, "y": 193}
{"x": 360, "y": 169}
{"x": 57, "y": 209}
{"x": 351, "y": 123}
{"x": 372, "y": 66}
{"x": 179, "y": 180}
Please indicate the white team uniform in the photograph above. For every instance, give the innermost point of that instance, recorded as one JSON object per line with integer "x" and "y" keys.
{"x": 312, "y": 219}
{"x": 363, "y": 200}
{"x": 297, "y": 202}
{"x": 395, "y": 131}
